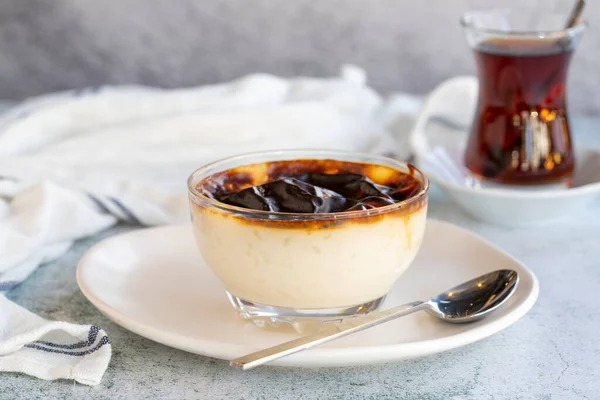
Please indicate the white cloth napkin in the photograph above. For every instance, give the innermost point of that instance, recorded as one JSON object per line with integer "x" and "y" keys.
{"x": 75, "y": 163}
{"x": 441, "y": 164}
{"x": 51, "y": 350}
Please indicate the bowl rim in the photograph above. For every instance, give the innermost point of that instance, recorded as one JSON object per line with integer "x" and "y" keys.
{"x": 305, "y": 154}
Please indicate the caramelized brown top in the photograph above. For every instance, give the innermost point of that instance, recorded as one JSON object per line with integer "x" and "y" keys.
{"x": 311, "y": 186}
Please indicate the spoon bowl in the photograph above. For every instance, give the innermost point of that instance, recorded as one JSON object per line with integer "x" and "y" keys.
{"x": 474, "y": 299}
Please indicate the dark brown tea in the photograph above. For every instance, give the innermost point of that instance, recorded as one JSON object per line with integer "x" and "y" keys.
{"x": 520, "y": 134}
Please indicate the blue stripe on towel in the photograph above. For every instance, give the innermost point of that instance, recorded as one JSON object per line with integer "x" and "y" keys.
{"x": 121, "y": 211}
{"x": 92, "y": 335}
{"x": 67, "y": 349}
{"x": 99, "y": 203}
{"x": 101, "y": 343}
{"x": 126, "y": 211}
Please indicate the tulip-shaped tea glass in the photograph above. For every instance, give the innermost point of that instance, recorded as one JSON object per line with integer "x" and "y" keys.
{"x": 520, "y": 133}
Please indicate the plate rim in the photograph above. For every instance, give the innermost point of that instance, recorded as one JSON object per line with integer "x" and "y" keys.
{"x": 322, "y": 357}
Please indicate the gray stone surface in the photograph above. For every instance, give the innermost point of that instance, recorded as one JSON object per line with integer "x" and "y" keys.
{"x": 551, "y": 353}
{"x": 403, "y": 45}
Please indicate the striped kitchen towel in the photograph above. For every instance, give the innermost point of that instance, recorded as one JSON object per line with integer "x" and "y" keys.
{"x": 51, "y": 349}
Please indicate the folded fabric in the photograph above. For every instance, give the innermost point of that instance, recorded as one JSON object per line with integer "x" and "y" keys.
{"x": 51, "y": 350}
{"x": 75, "y": 163}
{"x": 440, "y": 164}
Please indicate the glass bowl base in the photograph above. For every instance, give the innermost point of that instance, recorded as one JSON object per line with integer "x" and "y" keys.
{"x": 303, "y": 321}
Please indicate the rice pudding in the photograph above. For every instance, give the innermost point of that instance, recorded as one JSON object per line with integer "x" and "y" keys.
{"x": 303, "y": 230}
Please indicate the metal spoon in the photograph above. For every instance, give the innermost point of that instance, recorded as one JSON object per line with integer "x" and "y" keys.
{"x": 467, "y": 302}
{"x": 575, "y": 14}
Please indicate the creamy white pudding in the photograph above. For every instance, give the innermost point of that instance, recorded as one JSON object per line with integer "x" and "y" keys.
{"x": 308, "y": 261}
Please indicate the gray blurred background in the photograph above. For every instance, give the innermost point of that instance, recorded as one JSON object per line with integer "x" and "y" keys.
{"x": 49, "y": 45}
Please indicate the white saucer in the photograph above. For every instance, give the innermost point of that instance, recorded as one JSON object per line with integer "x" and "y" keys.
{"x": 154, "y": 283}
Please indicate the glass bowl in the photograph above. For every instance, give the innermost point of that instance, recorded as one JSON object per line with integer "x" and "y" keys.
{"x": 280, "y": 267}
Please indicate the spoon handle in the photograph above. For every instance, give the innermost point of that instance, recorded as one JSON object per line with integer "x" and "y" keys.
{"x": 285, "y": 349}
{"x": 575, "y": 14}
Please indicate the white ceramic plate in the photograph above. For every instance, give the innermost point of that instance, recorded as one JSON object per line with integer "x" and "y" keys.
{"x": 154, "y": 283}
